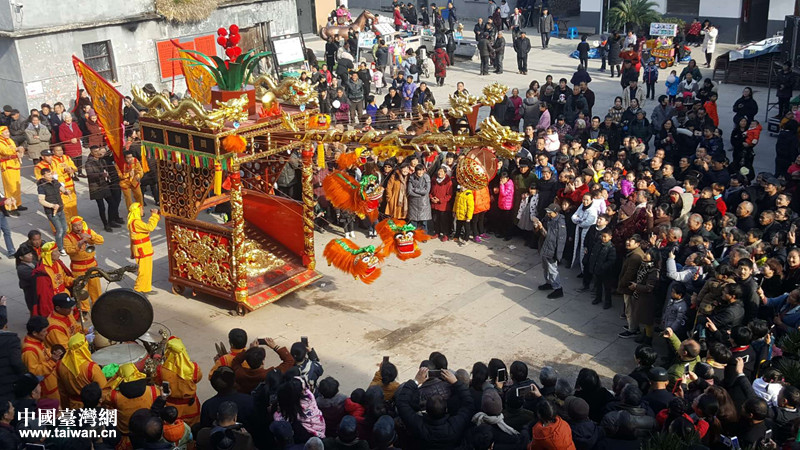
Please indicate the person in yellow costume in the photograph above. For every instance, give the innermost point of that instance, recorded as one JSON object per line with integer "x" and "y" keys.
{"x": 10, "y": 155}
{"x": 39, "y": 359}
{"x": 79, "y": 244}
{"x": 128, "y": 393}
{"x": 62, "y": 324}
{"x": 45, "y": 163}
{"x": 130, "y": 178}
{"x": 141, "y": 248}
{"x": 75, "y": 370}
{"x": 65, "y": 168}
{"x": 52, "y": 278}
{"x": 183, "y": 376}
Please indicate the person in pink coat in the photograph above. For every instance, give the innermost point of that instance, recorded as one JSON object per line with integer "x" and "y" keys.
{"x": 505, "y": 203}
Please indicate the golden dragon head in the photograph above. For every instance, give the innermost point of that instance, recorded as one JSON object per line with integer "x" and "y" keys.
{"x": 461, "y": 104}
{"x": 503, "y": 140}
{"x": 493, "y": 93}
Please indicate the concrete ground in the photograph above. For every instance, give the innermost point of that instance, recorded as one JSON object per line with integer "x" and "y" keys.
{"x": 471, "y": 302}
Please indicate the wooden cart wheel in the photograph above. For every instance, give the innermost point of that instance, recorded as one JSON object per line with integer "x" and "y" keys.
{"x": 662, "y": 64}
{"x": 178, "y": 289}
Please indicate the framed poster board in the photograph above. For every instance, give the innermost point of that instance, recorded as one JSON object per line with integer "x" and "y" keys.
{"x": 664, "y": 29}
{"x": 288, "y": 50}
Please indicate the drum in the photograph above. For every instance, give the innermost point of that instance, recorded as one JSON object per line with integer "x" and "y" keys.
{"x": 120, "y": 354}
{"x": 156, "y": 333}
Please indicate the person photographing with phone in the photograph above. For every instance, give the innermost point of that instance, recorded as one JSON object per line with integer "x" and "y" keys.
{"x": 307, "y": 361}
{"x": 438, "y": 427}
{"x": 248, "y": 377}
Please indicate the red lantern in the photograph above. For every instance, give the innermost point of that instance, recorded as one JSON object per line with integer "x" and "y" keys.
{"x": 230, "y": 52}
{"x": 235, "y": 38}
{"x": 221, "y": 41}
{"x": 234, "y": 29}
{"x": 237, "y": 51}
{"x": 222, "y": 32}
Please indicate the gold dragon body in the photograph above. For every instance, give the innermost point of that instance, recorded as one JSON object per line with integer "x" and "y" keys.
{"x": 191, "y": 112}
{"x": 290, "y": 90}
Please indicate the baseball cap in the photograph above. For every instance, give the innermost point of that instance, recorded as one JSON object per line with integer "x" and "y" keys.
{"x": 657, "y": 374}
{"x": 553, "y": 208}
{"x": 63, "y": 301}
{"x": 47, "y": 152}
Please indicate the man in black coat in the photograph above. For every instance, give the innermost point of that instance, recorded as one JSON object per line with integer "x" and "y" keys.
{"x": 522, "y": 45}
{"x": 436, "y": 430}
{"x": 485, "y": 51}
{"x": 11, "y": 366}
{"x": 499, "y": 49}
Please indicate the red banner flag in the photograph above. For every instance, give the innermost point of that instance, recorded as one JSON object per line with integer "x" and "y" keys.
{"x": 107, "y": 103}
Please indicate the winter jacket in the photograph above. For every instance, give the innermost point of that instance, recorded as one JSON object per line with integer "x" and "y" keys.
{"x": 546, "y": 24}
{"x": 530, "y": 111}
{"x": 630, "y": 267}
{"x": 602, "y": 258}
{"x": 444, "y": 192}
{"x": 585, "y": 434}
{"x": 660, "y": 115}
{"x": 288, "y": 176}
{"x": 464, "y": 206}
{"x": 555, "y": 238}
{"x": 638, "y": 95}
{"x": 483, "y": 201}
{"x": 419, "y": 201}
{"x": 672, "y": 85}
{"x": 67, "y": 132}
{"x": 674, "y": 315}
{"x": 333, "y": 411}
{"x": 439, "y": 434}
{"x": 555, "y": 436}
{"x": 650, "y": 74}
{"x": 11, "y": 366}
{"x": 396, "y": 196}
{"x": 505, "y": 200}
{"x": 37, "y": 139}
{"x": 522, "y": 46}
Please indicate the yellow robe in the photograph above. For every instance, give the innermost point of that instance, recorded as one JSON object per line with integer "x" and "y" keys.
{"x": 69, "y": 385}
{"x": 183, "y": 393}
{"x": 61, "y": 164}
{"x": 81, "y": 261}
{"x": 10, "y": 167}
{"x": 61, "y": 329}
{"x": 142, "y": 251}
{"x": 39, "y": 362}
{"x": 131, "y": 185}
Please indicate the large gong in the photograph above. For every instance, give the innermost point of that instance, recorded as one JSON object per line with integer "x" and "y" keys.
{"x": 122, "y": 314}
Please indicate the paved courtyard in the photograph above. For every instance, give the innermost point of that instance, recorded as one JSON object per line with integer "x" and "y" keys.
{"x": 472, "y": 302}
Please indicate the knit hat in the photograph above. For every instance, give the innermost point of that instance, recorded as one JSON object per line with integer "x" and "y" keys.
{"x": 7, "y": 108}
{"x": 677, "y": 189}
{"x": 491, "y": 403}
{"x": 26, "y": 384}
{"x": 577, "y": 408}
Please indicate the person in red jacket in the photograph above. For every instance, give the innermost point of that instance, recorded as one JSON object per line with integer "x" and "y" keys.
{"x": 70, "y": 134}
{"x": 442, "y": 204}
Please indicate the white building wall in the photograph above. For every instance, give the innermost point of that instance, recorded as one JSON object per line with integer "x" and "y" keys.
{"x": 779, "y": 9}
{"x": 721, "y": 8}
{"x": 48, "y": 13}
{"x": 47, "y": 59}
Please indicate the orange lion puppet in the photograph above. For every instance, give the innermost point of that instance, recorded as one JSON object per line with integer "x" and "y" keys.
{"x": 360, "y": 262}
{"x": 400, "y": 238}
{"x": 362, "y": 198}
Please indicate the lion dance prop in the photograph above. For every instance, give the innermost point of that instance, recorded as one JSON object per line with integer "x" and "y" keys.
{"x": 400, "y": 238}
{"x": 360, "y": 262}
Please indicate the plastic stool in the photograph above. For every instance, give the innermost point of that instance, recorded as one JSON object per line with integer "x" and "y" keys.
{"x": 572, "y": 33}
{"x": 555, "y": 30}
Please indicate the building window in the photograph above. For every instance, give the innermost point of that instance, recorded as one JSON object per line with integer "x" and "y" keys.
{"x": 683, "y": 7}
{"x": 99, "y": 57}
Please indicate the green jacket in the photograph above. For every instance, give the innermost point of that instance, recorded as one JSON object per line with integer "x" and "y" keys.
{"x": 676, "y": 371}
